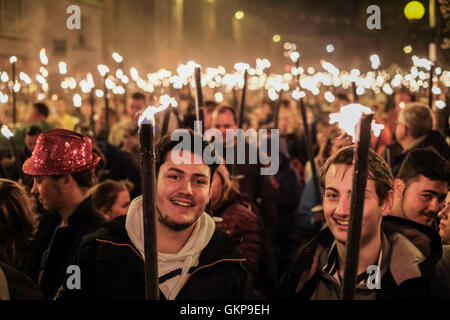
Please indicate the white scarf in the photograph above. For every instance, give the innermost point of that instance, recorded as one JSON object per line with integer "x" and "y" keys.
{"x": 184, "y": 259}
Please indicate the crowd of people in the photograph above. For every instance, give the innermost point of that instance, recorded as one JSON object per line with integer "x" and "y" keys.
{"x": 71, "y": 196}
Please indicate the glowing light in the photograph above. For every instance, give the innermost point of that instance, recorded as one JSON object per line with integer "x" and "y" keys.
{"x": 16, "y": 87}
{"x": 294, "y": 56}
{"x": 90, "y": 80}
{"x": 102, "y": 69}
{"x": 148, "y": 116}
{"x": 348, "y": 117}
{"x": 134, "y": 74}
{"x": 241, "y": 66}
{"x": 13, "y": 59}
{"x": 62, "y": 67}
{"x": 43, "y": 71}
{"x": 273, "y": 95}
{"x": 43, "y": 56}
{"x": 25, "y": 78}
{"x": 436, "y": 90}
{"x": 329, "y": 97}
{"x": 239, "y": 15}
{"x": 77, "y": 100}
{"x": 4, "y": 77}
{"x": 117, "y": 57}
{"x": 276, "y": 38}
{"x": 375, "y": 61}
{"x": 407, "y": 49}
{"x": 6, "y": 132}
{"x": 329, "y": 48}
{"x": 287, "y": 46}
{"x": 99, "y": 93}
{"x": 3, "y": 98}
{"x": 414, "y": 10}
{"x": 218, "y": 96}
{"x": 440, "y": 104}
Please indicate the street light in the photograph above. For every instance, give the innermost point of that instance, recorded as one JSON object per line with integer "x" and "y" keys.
{"x": 414, "y": 10}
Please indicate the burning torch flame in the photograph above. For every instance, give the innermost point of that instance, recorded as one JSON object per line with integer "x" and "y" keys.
{"x": 43, "y": 56}
{"x": 6, "y": 132}
{"x": 102, "y": 69}
{"x": 117, "y": 57}
{"x": 348, "y": 117}
{"x": 13, "y": 59}
{"x": 375, "y": 60}
{"x": 148, "y": 116}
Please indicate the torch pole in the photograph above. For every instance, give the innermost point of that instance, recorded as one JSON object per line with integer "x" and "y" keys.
{"x": 148, "y": 180}
{"x": 92, "y": 104}
{"x": 309, "y": 151}
{"x": 242, "y": 109}
{"x": 199, "y": 98}
{"x": 430, "y": 88}
{"x": 106, "y": 105}
{"x": 13, "y": 75}
{"x": 356, "y": 207}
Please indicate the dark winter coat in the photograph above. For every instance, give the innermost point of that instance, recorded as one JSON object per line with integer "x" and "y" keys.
{"x": 402, "y": 278}
{"x": 84, "y": 220}
{"x": 19, "y": 285}
{"x": 238, "y": 221}
{"x": 113, "y": 269}
{"x": 257, "y": 188}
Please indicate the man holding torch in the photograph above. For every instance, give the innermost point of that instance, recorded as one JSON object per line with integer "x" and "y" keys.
{"x": 195, "y": 260}
{"x": 388, "y": 267}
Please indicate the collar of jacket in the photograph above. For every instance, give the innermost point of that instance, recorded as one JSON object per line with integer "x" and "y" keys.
{"x": 220, "y": 247}
{"x": 85, "y": 209}
{"x": 405, "y": 261}
{"x": 425, "y": 238}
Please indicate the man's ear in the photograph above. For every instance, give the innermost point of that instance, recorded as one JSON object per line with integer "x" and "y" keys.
{"x": 388, "y": 203}
{"x": 399, "y": 187}
{"x": 104, "y": 212}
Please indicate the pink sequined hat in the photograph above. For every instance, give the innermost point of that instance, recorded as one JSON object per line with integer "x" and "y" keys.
{"x": 61, "y": 151}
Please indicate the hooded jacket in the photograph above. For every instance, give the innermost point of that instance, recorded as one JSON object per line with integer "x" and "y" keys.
{"x": 401, "y": 271}
{"x": 112, "y": 268}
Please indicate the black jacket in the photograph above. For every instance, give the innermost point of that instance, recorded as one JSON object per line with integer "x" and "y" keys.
{"x": 20, "y": 286}
{"x": 112, "y": 268}
{"x": 84, "y": 220}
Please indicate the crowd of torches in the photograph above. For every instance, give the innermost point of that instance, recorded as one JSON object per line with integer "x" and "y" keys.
{"x": 297, "y": 82}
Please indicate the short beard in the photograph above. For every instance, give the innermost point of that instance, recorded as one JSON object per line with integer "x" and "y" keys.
{"x": 164, "y": 220}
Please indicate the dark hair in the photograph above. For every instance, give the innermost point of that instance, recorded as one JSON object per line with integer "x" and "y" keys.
{"x": 33, "y": 131}
{"x": 166, "y": 144}
{"x": 105, "y": 193}
{"x": 325, "y": 152}
{"x": 426, "y": 162}
{"x": 210, "y": 105}
{"x": 378, "y": 169}
{"x": 137, "y": 96}
{"x": 225, "y": 108}
{"x": 17, "y": 221}
{"x": 41, "y": 108}
{"x": 84, "y": 179}
{"x": 343, "y": 96}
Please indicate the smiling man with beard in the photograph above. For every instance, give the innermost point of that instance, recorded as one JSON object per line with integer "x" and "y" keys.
{"x": 195, "y": 260}
{"x": 317, "y": 270}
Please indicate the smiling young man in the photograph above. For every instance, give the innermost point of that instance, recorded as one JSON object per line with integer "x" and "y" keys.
{"x": 421, "y": 187}
{"x": 195, "y": 261}
{"x": 318, "y": 268}
{"x": 62, "y": 167}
